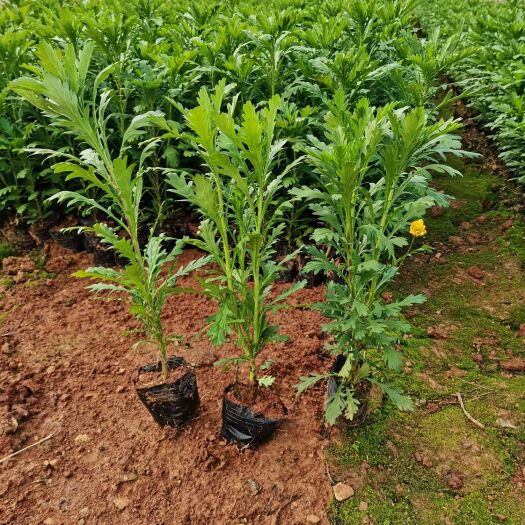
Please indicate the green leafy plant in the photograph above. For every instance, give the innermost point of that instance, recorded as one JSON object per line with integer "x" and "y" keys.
{"x": 374, "y": 171}
{"x": 148, "y": 277}
{"x": 236, "y": 197}
{"x": 495, "y": 74}
{"x": 157, "y": 51}
{"x": 24, "y": 183}
{"x": 424, "y": 61}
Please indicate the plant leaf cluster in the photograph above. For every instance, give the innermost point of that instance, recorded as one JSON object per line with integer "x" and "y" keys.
{"x": 58, "y": 89}
{"x": 374, "y": 171}
{"x": 237, "y": 196}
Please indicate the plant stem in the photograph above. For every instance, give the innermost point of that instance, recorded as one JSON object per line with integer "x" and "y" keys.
{"x": 163, "y": 356}
{"x": 377, "y": 249}
{"x": 252, "y": 374}
{"x": 257, "y": 285}
{"x": 223, "y": 229}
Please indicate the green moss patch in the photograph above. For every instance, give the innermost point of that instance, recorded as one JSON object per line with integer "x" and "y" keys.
{"x": 5, "y": 251}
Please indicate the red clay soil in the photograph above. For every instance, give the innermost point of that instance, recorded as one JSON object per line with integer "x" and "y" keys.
{"x": 267, "y": 403}
{"x": 66, "y": 370}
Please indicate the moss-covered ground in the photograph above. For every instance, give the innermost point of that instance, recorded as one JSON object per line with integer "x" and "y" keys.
{"x": 433, "y": 466}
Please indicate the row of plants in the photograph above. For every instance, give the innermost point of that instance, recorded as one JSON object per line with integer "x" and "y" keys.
{"x": 374, "y": 169}
{"x": 495, "y": 75}
{"x": 342, "y": 130}
{"x": 153, "y": 53}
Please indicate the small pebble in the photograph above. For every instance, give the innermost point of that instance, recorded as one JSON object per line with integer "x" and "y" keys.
{"x": 129, "y": 476}
{"x": 121, "y": 503}
{"x": 253, "y": 487}
{"x": 342, "y": 491}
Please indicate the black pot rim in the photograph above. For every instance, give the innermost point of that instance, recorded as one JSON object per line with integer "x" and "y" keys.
{"x": 333, "y": 383}
{"x": 170, "y": 403}
{"x": 173, "y": 362}
{"x": 231, "y": 386}
{"x": 243, "y": 427}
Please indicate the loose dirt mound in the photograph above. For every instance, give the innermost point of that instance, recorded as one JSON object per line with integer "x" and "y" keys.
{"x": 67, "y": 369}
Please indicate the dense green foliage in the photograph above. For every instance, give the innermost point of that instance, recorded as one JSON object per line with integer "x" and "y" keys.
{"x": 495, "y": 74}
{"x": 155, "y": 51}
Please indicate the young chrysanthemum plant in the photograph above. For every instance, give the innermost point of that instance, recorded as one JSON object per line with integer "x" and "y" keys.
{"x": 148, "y": 276}
{"x": 374, "y": 171}
{"x": 236, "y": 196}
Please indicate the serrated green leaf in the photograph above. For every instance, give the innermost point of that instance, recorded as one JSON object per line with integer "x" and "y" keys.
{"x": 308, "y": 381}
{"x": 393, "y": 359}
{"x": 266, "y": 381}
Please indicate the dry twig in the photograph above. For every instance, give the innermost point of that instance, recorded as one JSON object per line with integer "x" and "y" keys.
{"x": 469, "y": 417}
{"x": 47, "y": 438}
{"x": 332, "y": 482}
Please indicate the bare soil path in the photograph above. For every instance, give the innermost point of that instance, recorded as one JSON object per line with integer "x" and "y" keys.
{"x": 66, "y": 369}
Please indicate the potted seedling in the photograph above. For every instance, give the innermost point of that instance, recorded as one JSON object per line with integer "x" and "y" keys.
{"x": 58, "y": 88}
{"x": 236, "y": 196}
{"x": 373, "y": 187}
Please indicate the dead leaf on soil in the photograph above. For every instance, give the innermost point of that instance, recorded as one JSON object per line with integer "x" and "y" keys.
{"x": 431, "y": 382}
{"x": 454, "y": 480}
{"x": 479, "y": 342}
{"x": 507, "y": 225}
{"x": 454, "y": 371}
{"x": 476, "y": 273}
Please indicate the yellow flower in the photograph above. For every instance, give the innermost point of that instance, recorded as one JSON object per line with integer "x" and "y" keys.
{"x": 418, "y": 228}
